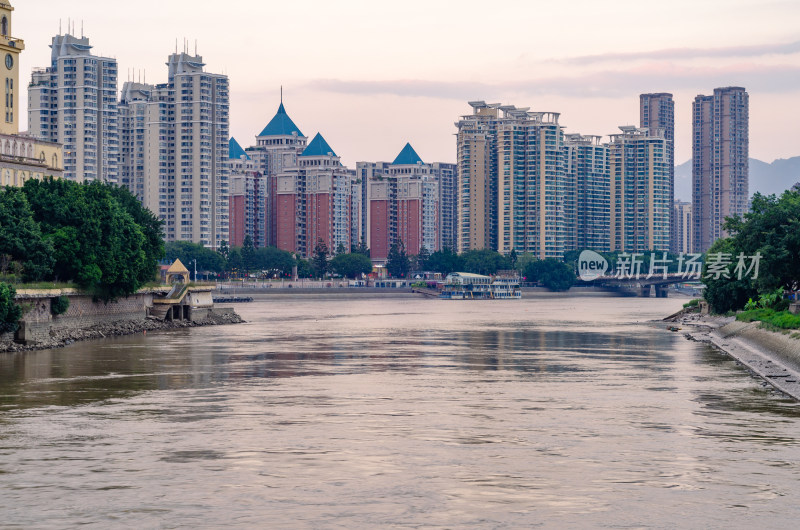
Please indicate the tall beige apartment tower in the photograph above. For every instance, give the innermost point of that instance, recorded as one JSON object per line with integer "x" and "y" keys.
{"x": 175, "y": 149}
{"x": 657, "y": 111}
{"x": 681, "y": 238}
{"x": 640, "y": 191}
{"x": 511, "y": 181}
{"x": 74, "y": 102}
{"x": 720, "y": 162}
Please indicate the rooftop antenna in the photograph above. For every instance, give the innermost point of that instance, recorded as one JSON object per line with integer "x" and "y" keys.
{"x": 81, "y": 28}
{"x": 68, "y": 25}
{"x": 281, "y": 94}
{"x": 176, "y": 45}
{"x": 195, "y": 47}
{"x": 59, "y": 26}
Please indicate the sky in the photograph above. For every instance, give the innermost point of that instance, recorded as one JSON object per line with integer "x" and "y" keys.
{"x": 373, "y": 75}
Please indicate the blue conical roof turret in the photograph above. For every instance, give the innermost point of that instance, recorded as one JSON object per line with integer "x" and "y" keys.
{"x": 407, "y": 156}
{"x": 318, "y": 147}
{"x": 281, "y": 125}
{"x": 235, "y": 151}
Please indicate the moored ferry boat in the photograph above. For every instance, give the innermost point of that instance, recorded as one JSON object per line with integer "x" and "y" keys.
{"x": 505, "y": 287}
{"x": 468, "y": 286}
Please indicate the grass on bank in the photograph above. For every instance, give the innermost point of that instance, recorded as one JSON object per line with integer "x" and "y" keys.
{"x": 771, "y": 319}
{"x": 692, "y": 303}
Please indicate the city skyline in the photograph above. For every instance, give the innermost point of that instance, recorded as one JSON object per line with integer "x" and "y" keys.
{"x": 588, "y": 75}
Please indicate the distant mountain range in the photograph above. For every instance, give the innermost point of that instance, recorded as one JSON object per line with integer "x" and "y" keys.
{"x": 776, "y": 177}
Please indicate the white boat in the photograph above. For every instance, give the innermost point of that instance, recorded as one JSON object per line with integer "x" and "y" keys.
{"x": 468, "y": 286}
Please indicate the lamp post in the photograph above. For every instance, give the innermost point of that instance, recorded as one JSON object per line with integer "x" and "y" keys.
{"x": 195, "y": 269}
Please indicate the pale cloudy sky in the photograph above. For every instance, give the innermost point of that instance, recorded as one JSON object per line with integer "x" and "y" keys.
{"x": 372, "y": 75}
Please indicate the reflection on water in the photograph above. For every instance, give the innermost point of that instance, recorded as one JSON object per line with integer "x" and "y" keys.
{"x": 363, "y": 413}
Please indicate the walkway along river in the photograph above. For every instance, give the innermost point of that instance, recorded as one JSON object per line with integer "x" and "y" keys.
{"x": 321, "y": 412}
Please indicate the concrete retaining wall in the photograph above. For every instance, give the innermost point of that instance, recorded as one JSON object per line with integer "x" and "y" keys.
{"x": 38, "y": 324}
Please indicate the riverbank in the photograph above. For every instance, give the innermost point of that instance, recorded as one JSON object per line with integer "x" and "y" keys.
{"x": 771, "y": 355}
{"x": 65, "y": 336}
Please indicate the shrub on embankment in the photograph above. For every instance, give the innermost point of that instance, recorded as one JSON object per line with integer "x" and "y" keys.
{"x": 59, "y": 305}
{"x": 10, "y": 312}
{"x": 771, "y": 319}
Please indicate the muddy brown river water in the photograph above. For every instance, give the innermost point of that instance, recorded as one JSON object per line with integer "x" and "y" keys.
{"x": 363, "y": 413}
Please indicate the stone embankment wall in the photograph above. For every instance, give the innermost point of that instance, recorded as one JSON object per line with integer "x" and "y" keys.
{"x": 38, "y": 323}
{"x": 85, "y": 316}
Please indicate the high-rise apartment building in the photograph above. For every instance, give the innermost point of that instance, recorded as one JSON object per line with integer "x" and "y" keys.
{"x": 247, "y": 199}
{"x": 366, "y": 172}
{"x": 720, "y": 158}
{"x": 22, "y": 157}
{"x": 175, "y": 149}
{"x": 511, "y": 181}
{"x": 74, "y": 102}
{"x": 681, "y": 238}
{"x": 132, "y": 110}
{"x": 640, "y": 191}
{"x": 587, "y": 203}
{"x": 314, "y": 201}
{"x": 446, "y": 175}
{"x": 403, "y": 207}
{"x": 657, "y": 111}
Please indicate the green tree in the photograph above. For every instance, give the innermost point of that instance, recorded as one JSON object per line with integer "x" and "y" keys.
{"x": 484, "y": 261}
{"x": 527, "y": 258}
{"x": 512, "y": 258}
{"x": 21, "y": 237}
{"x": 444, "y": 261}
{"x": 304, "y": 268}
{"x": 248, "y": 254}
{"x": 771, "y": 228}
{"x": 186, "y": 251}
{"x": 351, "y": 265}
{"x": 223, "y": 249}
{"x": 422, "y": 259}
{"x": 10, "y": 312}
{"x": 96, "y": 240}
{"x": 340, "y": 249}
{"x": 320, "y": 260}
{"x": 274, "y": 261}
{"x": 235, "y": 263}
{"x": 151, "y": 226}
{"x": 361, "y": 248}
{"x": 397, "y": 263}
{"x": 726, "y": 294}
{"x": 551, "y": 273}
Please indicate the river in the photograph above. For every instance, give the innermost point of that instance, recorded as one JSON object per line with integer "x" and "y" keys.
{"x": 363, "y": 413}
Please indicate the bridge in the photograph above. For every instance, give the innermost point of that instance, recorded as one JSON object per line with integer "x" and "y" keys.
{"x": 641, "y": 285}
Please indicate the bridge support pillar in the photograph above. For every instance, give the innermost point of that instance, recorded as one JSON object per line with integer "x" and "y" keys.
{"x": 644, "y": 291}
{"x": 661, "y": 291}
